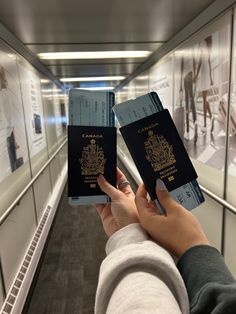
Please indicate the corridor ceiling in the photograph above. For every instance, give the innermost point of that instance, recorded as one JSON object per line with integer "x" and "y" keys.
{"x": 96, "y": 25}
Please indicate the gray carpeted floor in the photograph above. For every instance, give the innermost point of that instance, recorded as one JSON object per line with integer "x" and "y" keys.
{"x": 68, "y": 275}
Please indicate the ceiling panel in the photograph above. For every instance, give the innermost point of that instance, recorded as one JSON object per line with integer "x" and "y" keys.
{"x": 76, "y": 25}
{"x": 74, "y": 21}
{"x": 99, "y": 46}
{"x": 72, "y": 70}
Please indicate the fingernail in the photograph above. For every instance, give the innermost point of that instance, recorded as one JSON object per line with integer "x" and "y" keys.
{"x": 160, "y": 185}
{"x": 100, "y": 176}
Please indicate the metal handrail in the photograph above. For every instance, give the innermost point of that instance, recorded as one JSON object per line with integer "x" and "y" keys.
{"x": 134, "y": 173}
{"x": 19, "y": 197}
{"x": 219, "y": 200}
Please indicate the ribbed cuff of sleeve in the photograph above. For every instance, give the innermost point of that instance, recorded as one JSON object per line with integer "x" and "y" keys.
{"x": 132, "y": 233}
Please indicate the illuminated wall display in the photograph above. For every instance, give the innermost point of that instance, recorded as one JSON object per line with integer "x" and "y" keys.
{"x": 161, "y": 81}
{"x": 232, "y": 120}
{"x": 13, "y": 149}
{"x": 201, "y": 86}
{"x": 23, "y": 152}
{"x": 131, "y": 90}
{"x": 32, "y": 100}
{"x": 58, "y": 119}
{"x": 59, "y": 113}
{"x": 142, "y": 84}
{"x": 231, "y": 183}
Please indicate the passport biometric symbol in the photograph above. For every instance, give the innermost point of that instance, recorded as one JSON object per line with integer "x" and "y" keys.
{"x": 158, "y": 151}
{"x": 92, "y": 160}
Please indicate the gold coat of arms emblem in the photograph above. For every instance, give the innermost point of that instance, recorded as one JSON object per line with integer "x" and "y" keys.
{"x": 92, "y": 160}
{"x": 158, "y": 151}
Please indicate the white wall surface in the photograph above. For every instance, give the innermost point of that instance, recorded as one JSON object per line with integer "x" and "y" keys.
{"x": 230, "y": 239}
{"x": 15, "y": 235}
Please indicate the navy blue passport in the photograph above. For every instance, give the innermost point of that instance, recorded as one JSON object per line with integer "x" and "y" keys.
{"x": 91, "y": 151}
{"x": 158, "y": 152}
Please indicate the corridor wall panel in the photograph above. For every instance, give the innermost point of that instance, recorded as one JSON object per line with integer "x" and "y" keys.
{"x": 210, "y": 216}
{"x": 54, "y": 170}
{"x": 42, "y": 191}
{"x": 230, "y": 236}
{"x": 30, "y": 132}
{"x": 36, "y": 120}
{"x": 142, "y": 84}
{"x": 130, "y": 89}
{"x": 15, "y": 236}
{"x": 121, "y": 96}
{"x": 201, "y": 81}
{"x": 198, "y": 74}
{"x": 51, "y": 133}
{"x": 161, "y": 81}
{"x": 61, "y": 127}
{"x": 34, "y": 115}
{"x": 63, "y": 155}
{"x": 14, "y": 159}
{"x": 231, "y": 154}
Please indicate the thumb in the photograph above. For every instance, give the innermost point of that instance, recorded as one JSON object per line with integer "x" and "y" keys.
{"x": 145, "y": 208}
{"x": 107, "y": 188}
{"x": 164, "y": 197}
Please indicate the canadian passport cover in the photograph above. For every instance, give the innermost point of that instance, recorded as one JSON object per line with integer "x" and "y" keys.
{"x": 158, "y": 152}
{"x": 91, "y": 151}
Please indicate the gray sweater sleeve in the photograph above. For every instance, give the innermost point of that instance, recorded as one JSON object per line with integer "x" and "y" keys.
{"x": 210, "y": 285}
{"x": 138, "y": 276}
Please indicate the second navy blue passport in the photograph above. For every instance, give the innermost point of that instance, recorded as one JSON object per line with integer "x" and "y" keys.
{"x": 91, "y": 151}
{"x": 158, "y": 152}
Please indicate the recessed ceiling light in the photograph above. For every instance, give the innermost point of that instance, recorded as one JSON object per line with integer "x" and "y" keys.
{"x": 45, "y": 81}
{"x": 53, "y": 95}
{"x": 93, "y": 55}
{"x": 51, "y": 90}
{"x": 92, "y": 79}
{"x": 97, "y": 88}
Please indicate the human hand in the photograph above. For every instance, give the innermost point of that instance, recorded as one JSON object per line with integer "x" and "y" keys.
{"x": 178, "y": 230}
{"x": 122, "y": 210}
